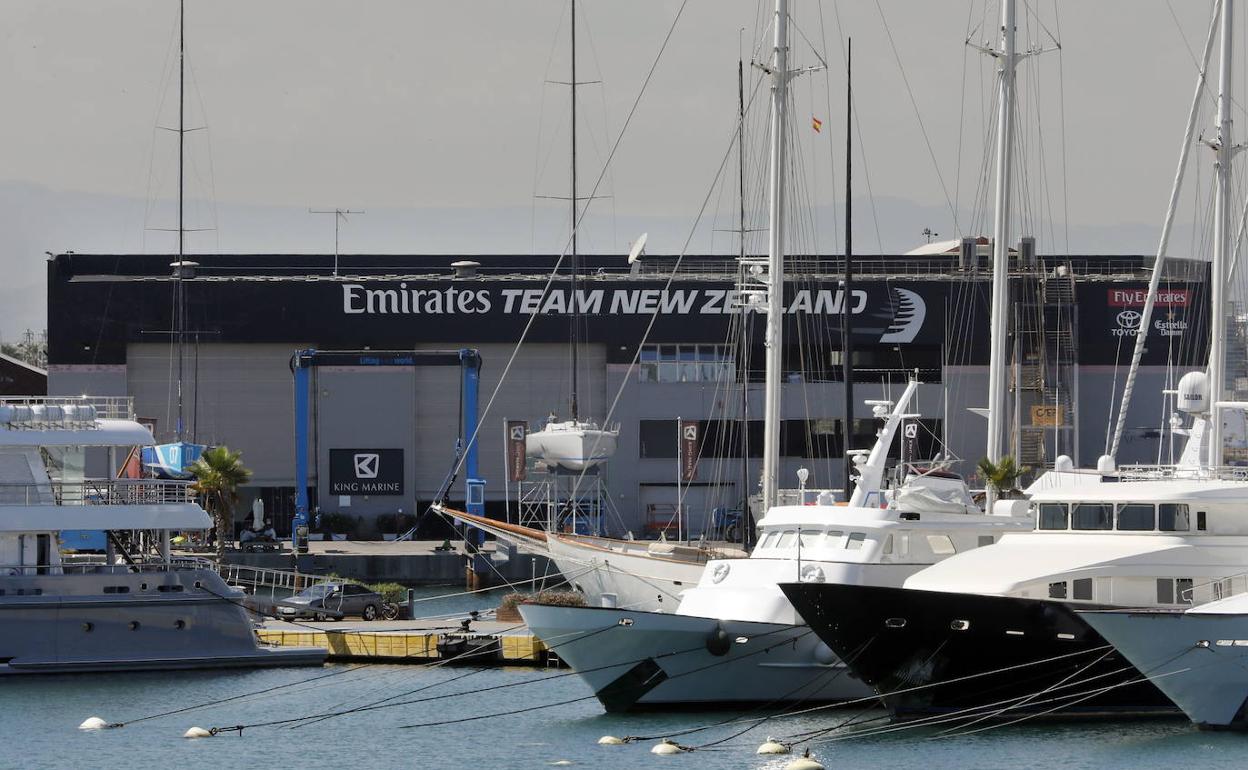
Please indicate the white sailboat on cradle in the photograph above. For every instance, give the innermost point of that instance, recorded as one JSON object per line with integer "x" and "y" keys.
{"x": 574, "y": 444}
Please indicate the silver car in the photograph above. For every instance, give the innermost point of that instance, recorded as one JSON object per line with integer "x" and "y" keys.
{"x": 331, "y": 601}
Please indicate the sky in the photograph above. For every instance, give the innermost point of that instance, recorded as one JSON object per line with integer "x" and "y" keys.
{"x": 438, "y": 121}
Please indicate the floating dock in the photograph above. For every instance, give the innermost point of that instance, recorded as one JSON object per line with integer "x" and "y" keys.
{"x": 485, "y": 642}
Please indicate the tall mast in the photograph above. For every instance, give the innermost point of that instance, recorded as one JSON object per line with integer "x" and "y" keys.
{"x": 847, "y": 301}
{"x": 180, "y": 289}
{"x": 1221, "y": 240}
{"x": 999, "y": 341}
{"x": 773, "y": 339}
{"x": 575, "y": 314}
{"x": 744, "y": 348}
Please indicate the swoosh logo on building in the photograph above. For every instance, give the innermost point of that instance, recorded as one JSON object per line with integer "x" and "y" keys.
{"x": 908, "y": 316}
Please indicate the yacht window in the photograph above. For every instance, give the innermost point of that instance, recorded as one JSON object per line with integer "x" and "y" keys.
{"x": 1173, "y": 517}
{"x": 1165, "y": 591}
{"x": 1087, "y": 516}
{"x": 834, "y": 538}
{"x": 1053, "y": 516}
{"x": 1200, "y": 521}
{"x": 1057, "y": 590}
{"x": 1135, "y": 517}
{"x": 768, "y": 539}
{"x": 941, "y": 545}
{"x": 786, "y": 539}
{"x": 986, "y": 540}
{"x": 1082, "y": 589}
{"x": 810, "y": 538}
{"x": 1217, "y": 590}
{"x": 1183, "y": 591}
{"x": 888, "y": 545}
{"x": 855, "y": 541}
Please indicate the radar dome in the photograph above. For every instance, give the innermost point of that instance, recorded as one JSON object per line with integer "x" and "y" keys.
{"x": 1193, "y": 393}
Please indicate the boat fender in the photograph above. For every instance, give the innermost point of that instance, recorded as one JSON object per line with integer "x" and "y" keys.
{"x": 95, "y": 723}
{"x": 772, "y": 746}
{"x": 804, "y": 762}
{"x": 197, "y": 732}
{"x": 610, "y": 740}
{"x": 665, "y": 747}
{"x": 718, "y": 643}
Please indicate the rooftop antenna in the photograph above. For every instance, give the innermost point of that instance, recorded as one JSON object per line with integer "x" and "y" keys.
{"x": 340, "y": 215}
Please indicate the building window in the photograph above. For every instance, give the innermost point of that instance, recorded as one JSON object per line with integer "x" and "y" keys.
{"x": 686, "y": 363}
{"x": 1173, "y": 517}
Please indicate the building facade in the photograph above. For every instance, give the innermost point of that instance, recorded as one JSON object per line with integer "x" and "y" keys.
{"x": 661, "y": 341}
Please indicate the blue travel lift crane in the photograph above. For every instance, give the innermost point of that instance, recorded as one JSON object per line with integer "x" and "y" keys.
{"x": 469, "y": 362}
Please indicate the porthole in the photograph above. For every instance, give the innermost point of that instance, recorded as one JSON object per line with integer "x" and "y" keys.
{"x": 143, "y": 586}
{"x": 624, "y": 622}
{"x": 179, "y": 624}
{"x": 960, "y": 625}
{"x": 198, "y": 584}
{"x": 895, "y": 623}
{"x": 88, "y": 627}
{"x": 134, "y": 625}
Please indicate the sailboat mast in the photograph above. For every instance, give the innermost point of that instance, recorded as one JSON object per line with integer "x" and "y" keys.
{"x": 1221, "y": 240}
{"x": 744, "y": 347}
{"x": 575, "y": 311}
{"x": 999, "y": 341}
{"x": 180, "y": 289}
{"x": 847, "y": 301}
{"x": 773, "y": 338}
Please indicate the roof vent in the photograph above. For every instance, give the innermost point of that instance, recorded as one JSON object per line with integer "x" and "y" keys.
{"x": 465, "y": 268}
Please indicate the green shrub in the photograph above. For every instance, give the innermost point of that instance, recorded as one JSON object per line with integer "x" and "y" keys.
{"x": 552, "y": 597}
{"x": 337, "y": 523}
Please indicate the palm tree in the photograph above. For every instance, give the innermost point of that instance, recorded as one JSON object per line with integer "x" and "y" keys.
{"x": 218, "y": 473}
{"x": 1002, "y": 476}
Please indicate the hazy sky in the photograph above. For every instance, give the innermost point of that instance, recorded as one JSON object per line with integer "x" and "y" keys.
{"x": 436, "y": 119}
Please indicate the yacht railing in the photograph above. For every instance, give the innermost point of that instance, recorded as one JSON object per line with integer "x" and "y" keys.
{"x": 97, "y": 567}
{"x": 98, "y": 492}
{"x": 100, "y": 407}
{"x": 1178, "y": 473}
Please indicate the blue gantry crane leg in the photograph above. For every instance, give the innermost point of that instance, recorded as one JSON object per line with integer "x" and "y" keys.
{"x": 469, "y": 362}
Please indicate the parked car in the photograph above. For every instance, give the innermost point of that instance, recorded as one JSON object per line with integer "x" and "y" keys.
{"x": 331, "y": 601}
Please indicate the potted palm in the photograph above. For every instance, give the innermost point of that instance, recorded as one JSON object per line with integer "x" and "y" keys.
{"x": 1003, "y": 476}
{"x": 218, "y": 474}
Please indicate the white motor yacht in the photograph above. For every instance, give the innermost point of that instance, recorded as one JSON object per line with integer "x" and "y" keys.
{"x": 132, "y": 608}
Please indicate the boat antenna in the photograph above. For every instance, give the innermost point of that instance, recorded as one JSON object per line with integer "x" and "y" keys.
{"x": 847, "y": 356}
{"x": 774, "y": 337}
{"x": 745, "y": 316}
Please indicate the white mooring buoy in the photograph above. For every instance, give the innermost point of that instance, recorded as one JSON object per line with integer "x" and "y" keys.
{"x": 610, "y": 740}
{"x": 197, "y": 732}
{"x": 804, "y": 762}
{"x": 93, "y": 723}
{"x": 665, "y": 747}
{"x": 772, "y": 746}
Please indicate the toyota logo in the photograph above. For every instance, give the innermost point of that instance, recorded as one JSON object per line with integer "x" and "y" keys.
{"x": 1129, "y": 319}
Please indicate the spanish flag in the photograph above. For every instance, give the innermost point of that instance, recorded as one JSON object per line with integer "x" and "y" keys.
{"x": 816, "y": 124}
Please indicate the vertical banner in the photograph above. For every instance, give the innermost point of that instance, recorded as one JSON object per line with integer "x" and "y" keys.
{"x": 689, "y": 440}
{"x": 909, "y": 441}
{"x": 517, "y": 431}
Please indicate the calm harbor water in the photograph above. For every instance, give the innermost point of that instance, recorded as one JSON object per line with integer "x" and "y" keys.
{"x": 39, "y": 718}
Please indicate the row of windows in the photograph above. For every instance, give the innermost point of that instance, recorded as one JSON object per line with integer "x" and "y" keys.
{"x": 809, "y": 439}
{"x": 1125, "y": 517}
{"x": 686, "y": 363}
{"x": 813, "y": 538}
